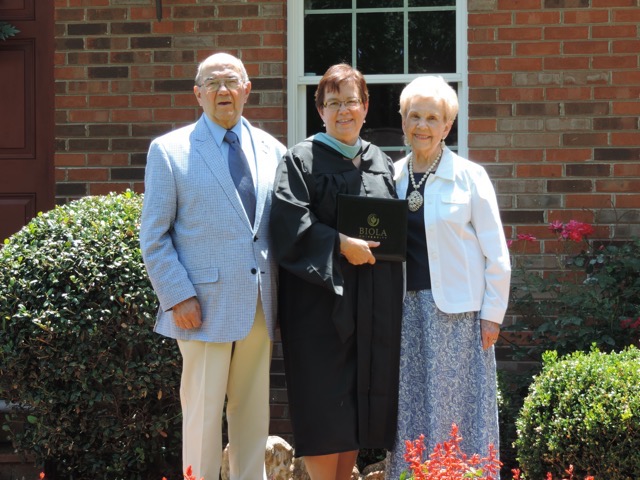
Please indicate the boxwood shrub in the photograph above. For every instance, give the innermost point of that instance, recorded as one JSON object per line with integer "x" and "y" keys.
{"x": 95, "y": 391}
{"x": 583, "y": 410}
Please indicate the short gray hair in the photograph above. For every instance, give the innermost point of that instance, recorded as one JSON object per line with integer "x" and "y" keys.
{"x": 222, "y": 59}
{"x": 430, "y": 86}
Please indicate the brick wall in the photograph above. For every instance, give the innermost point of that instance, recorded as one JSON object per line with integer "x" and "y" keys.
{"x": 554, "y": 108}
{"x": 123, "y": 78}
{"x": 554, "y": 89}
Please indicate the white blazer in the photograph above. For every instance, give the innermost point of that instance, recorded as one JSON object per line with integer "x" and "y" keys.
{"x": 468, "y": 255}
{"x": 196, "y": 239}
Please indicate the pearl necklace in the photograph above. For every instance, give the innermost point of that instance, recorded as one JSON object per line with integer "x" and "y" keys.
{"x": 415, "y": 198}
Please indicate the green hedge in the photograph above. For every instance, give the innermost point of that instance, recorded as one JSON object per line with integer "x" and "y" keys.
{"x": 583, "y": 410}
{"x": 78, "y": 357}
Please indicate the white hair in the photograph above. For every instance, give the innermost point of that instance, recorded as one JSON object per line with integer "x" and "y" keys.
{"x": 430, "y": 86}
{"x": 222, "y": 59}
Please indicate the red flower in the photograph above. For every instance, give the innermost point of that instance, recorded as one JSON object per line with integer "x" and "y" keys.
{"x": 448, "y": 462}
{"x": 574, "y": 230}
{"x": 630, "y": 323}
{"x": 188, "y": 474}
{"x": 413, "y": 455}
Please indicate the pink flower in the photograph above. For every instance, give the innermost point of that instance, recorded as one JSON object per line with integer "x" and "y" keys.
{"x": 573, "y": 230}
{"x": 527, "y": 237}
{"x": 556, "y": 226}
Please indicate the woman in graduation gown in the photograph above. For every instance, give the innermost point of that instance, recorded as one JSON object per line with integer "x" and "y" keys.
{"x": 339, "y": 309}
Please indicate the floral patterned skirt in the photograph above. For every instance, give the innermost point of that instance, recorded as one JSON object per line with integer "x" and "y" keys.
{"x": 445, "y": 378}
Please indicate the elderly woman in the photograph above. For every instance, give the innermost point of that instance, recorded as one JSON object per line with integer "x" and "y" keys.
{"x": 339, "y": 308}
{"x": 458, "y": 275}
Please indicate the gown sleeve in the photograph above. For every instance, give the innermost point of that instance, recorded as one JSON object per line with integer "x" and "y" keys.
{"x": 303, "y": 245}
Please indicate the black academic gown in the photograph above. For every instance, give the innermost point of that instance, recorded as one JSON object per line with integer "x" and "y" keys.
{"x": 340, "y": 323}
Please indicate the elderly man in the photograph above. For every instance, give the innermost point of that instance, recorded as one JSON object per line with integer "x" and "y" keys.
{"x": 205, "y": 242}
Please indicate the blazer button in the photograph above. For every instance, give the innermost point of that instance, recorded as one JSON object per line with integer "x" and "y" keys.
{"x": 254, "y": 271}
{"x": 255, "y": 239}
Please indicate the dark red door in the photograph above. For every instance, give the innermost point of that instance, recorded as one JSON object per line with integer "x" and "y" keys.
{"x": 26, "y": 113}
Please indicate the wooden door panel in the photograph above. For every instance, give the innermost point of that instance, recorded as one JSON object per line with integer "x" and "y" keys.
{"x": 17, "y": 9}
{"x": 16, "y": 98}
{"x": 16, "y": 211}
{"x": 27, "y": 114}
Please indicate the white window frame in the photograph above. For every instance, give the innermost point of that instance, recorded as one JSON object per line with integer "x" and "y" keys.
{"x": 297, "y": 82}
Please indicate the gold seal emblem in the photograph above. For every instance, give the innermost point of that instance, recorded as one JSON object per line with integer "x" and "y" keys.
{"x": 373, "y": 220}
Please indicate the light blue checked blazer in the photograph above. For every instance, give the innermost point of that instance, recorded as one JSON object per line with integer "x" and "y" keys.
{"x": 196, "y": 239}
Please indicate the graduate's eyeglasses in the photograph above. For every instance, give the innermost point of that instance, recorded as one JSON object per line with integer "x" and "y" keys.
{"x": 335, "y": 105}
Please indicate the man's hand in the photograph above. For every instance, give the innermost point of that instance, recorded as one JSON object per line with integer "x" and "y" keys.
{"x": 187, "y": 314}
{"x": 489, "y": 331}
{"x": 357, "y": 251}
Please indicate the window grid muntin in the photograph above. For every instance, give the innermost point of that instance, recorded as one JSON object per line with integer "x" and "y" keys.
{"x": 298, "y": 81}
{"x": 354, "y": 11}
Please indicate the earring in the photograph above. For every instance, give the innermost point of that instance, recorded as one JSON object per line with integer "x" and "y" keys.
{"x": 442, "y": 143}
{"x": 323, "y": 125}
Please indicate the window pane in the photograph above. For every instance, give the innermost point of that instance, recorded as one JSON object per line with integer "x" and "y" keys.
{"x": 327, "y": 41}
{"x": 432, "y": 3}
{"x": 384, "y": 124}
{"x": 314, "y": 122}
{"x": 432, "y": 42}
{"x": 326, "y": 4}
{"x": 379, "y": 43}
{"x": 379, "y": 3}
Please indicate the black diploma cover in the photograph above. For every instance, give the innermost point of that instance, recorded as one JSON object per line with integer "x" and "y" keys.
{"x": 381, "y": 220}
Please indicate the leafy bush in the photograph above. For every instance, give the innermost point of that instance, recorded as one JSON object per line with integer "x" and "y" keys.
{"x": 369, "y": 456}
{"x": 512, "y": 390}
{"x": 78, "y": 357}
{"x": 593, "y": 296}
{"x": 583, "y": 410}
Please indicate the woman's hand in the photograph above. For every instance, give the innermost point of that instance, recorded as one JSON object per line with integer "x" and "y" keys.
{"x": 357, "y": 251}
{"x": 489, "y": 331}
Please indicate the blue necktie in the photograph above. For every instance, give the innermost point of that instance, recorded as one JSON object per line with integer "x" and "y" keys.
{"x": 239, "y": 169}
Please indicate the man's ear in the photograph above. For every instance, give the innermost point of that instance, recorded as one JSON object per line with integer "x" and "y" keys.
{"x": 247, "y": 90}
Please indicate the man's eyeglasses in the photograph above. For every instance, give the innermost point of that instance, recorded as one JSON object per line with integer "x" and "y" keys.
{"x": 335, "y": 105}
{"x": 214, "y": 84}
